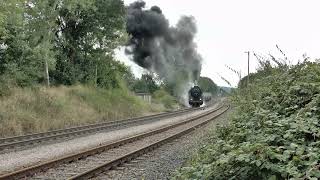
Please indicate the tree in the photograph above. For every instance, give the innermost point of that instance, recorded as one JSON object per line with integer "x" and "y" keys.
{"x": 146, "y": 84}
{"x": 2, "y": 21}
{"x": 88, "y": 32}
{"x": 26, "y": 40}
{"x": 16, "y": 57}
{"x": 41, "y": 25}
{"x": 70, "y": 40}
{"x": 207, "y": 85}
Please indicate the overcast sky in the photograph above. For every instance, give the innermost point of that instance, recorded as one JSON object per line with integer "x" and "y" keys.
{"x": 228, "y": 28}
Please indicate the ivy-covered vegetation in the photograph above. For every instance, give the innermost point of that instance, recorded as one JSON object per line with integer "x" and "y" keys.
{"x": 274, "y": 132}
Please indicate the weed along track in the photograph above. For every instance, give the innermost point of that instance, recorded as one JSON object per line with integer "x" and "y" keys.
{"x": 92, "y": 162}
{"x": 13, "y": 143}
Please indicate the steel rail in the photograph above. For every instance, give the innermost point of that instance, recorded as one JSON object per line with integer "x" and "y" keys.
{"x": 12, "y": 142}
{"x": 134, "y": 154}
{"x": 29, "y": 171}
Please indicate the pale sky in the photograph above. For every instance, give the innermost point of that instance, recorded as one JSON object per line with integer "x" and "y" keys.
{"x": 228, "y": 28}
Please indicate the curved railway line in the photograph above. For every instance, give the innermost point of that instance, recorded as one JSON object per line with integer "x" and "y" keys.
{"x": 91, "y": 163}
{"x": 11, "y": 143}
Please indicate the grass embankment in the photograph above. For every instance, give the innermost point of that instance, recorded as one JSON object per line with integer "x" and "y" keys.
{"x": 38, "y": 109}
{"x": 274, "y": 133}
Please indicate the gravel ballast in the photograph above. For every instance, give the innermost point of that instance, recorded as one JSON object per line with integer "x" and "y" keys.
{"x": 17, "y": 160}
{"x": 66, "y": 171}
{"x": 163, "y": 162}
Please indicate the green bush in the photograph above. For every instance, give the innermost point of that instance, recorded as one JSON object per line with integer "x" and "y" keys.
{"x": 163, "y": 97}
{"x": 4, "y": 87}
{"x": 274, "y": 134}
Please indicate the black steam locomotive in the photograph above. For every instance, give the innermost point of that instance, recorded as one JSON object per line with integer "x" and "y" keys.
{"x": 195, "y": 96}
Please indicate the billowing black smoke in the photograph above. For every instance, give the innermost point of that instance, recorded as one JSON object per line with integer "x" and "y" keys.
{"x": 168, "y": 51}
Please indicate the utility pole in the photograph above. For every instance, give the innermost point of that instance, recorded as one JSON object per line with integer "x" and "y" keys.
{"x": 248, "y": 52}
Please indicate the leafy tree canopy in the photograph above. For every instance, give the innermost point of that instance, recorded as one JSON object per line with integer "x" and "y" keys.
{"x": 146, "y": 84}
{"x": 207, "y": 85}
{"x": 71, "y": 39}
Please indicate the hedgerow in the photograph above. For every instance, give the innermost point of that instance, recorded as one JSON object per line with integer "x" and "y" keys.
{"x": 274, "y": 132}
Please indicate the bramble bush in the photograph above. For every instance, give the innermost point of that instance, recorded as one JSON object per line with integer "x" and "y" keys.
{"x": 274, "y": 132}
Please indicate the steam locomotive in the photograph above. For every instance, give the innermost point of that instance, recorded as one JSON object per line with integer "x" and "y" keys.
{"x": 195, "y": 96}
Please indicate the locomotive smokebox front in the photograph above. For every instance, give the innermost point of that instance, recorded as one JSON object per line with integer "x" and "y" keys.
{"x": 195, "y": 96}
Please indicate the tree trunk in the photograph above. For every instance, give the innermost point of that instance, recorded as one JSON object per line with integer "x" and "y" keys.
{"x": 47, "y": 71}
{"x": 96, "y": 76}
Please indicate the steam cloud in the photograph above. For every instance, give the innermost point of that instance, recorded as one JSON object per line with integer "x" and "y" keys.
{"x": 168, "y": 51}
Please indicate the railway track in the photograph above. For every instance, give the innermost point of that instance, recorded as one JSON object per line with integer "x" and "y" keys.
{"x": 91, "y": 163}
{"x": 12, "y": 143}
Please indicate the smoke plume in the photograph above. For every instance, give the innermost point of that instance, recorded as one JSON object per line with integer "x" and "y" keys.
{"x": 168, "y": 51}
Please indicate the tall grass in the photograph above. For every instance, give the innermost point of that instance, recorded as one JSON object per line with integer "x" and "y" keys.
{"x": 163, "y": 98}
{"x": 37, "y": 109}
